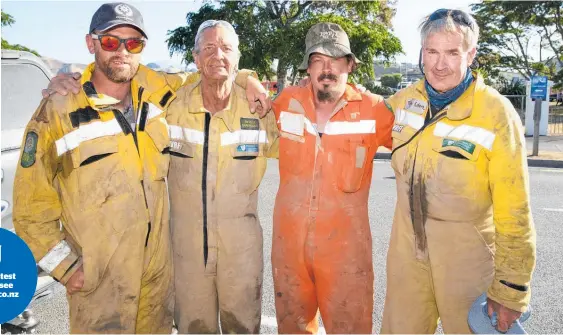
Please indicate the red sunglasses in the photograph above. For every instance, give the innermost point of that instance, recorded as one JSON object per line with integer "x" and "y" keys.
{"x": 133, "y": 45}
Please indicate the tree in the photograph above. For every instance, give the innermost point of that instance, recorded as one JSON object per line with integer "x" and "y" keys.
{"x": 507, "y": 31}
{"x": 8, "y": 20}
{"x": 391, "y": 80}
{"x": 272, "y": 31}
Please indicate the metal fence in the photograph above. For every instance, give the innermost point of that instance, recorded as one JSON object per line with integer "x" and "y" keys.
{"x": 555, "y": 115}
{"x": 555, "y": 123}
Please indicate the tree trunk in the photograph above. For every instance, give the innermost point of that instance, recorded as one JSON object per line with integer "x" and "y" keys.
{"x": 294, "y": 75}
{"x": 282, "y": 74}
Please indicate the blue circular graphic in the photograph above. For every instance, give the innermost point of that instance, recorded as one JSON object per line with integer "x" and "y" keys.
{"x": 18, "y": 275}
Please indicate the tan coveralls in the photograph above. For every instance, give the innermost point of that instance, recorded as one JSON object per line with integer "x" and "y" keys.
{"x": 217, "y": 163}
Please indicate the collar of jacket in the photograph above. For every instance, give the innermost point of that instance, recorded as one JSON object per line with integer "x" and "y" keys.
{"x": 154, "y": 84}
{"x": 228, "y": 115}
{"x": 305, "y": 96}
{"x": 462, "y": 107}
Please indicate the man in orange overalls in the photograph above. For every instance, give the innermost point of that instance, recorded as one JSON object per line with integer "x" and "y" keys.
{"x": 322, "y": 251}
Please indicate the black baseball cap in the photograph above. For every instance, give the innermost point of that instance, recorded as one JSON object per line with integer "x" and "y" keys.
{"x": 114, "y": 14}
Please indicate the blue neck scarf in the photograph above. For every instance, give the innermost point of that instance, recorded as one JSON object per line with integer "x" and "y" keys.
{"x": 440, "y": 100}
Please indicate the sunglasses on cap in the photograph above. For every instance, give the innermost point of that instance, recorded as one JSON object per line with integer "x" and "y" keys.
{"x": 133, "y": 45}
{"x": 457, "y": 15}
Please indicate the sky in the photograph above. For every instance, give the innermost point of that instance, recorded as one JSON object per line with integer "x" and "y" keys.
{"x": 56, "y": 29}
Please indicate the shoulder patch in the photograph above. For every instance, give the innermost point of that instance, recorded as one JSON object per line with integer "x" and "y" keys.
{"x": 29, "y": 149}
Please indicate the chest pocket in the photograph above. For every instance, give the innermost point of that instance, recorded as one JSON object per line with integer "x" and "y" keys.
{"x": 401, "y": 135}
{"x": 183, "y": 166}
{"x": 158, "y": 160}
{"x": 100, "y": 173}
{"x": 248, "y": 165}
{"x": 456, "y": 169}
{"x": 352, "y": 161}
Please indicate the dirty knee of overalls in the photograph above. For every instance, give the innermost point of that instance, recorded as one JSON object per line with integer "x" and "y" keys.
{"x": 231, "y": 325}
{"x": 199, "y": 327}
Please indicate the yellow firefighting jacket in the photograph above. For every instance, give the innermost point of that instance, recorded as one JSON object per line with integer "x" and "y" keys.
{"x": 83, "y": 168}
{"x": 467, "y": 165}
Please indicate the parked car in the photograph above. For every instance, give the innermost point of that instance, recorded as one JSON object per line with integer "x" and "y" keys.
{"x": 23, "y": 77}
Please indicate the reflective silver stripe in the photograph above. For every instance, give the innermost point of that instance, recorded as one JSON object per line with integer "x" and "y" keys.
{"x": 85, "y": 133}
{"x": 406, "y": 118}
{"x": 294, "y": 123}
{"x": 473, "y": 134}
{"x": 154, "y": 111}
{"x": 345, "y": 127}
{"x": 186, "y": 134}
{"x": 55, "y": 256}
{"x": 244, "y": 136}
{"x": 311, "y": 129}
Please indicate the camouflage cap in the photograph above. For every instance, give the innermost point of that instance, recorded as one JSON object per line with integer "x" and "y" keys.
{"x": 327, "y": 39}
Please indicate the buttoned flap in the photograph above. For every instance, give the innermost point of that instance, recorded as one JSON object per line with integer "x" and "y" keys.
{"x": 94, "y": 150}
{"x": 352, "y": 158}
{"x": 462, "y": 141}
{"x": 460, "y": 149}
{"x": 245, "y": 144}
{"x": 245, "y": 150}
{"x": 181, "y": 148}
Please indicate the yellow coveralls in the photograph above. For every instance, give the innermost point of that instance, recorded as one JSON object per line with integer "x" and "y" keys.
{"x": 462, "y": 222}
{"x": 217, "y": 163}
{"x": 89, "y": 191}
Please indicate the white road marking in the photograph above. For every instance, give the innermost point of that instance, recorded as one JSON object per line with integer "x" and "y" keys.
{"x": 553, "y": 209}
{"x": 270, "y": 321}
{"x": 546, "y": 170}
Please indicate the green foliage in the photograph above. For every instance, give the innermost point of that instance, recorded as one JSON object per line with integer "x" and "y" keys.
{"x": 376, "y": 89}
{"x": 391, "y": 80}
{"x": 8, "y": 20}
{"x": 507, "y": 31}
{"x": 275, "y": 30}
{"x": 508, "y": 87}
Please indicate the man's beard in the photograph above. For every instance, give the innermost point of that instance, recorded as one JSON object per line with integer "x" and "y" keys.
{"x": 326, "y": 95}
{"x": 117, "y": 75}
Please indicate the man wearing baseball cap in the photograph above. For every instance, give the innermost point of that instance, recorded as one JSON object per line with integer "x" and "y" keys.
{"x": 95, "y": 162}
{"x": 322, "y": 251}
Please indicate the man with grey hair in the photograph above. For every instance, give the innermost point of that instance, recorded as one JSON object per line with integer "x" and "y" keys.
{"x": 462, "y": 223}
{"x": 218, "y": 153}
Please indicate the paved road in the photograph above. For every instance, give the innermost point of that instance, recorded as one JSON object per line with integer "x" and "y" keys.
{"x": 547, "y": 205}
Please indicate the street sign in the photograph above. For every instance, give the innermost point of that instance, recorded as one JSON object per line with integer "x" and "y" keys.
{"x": 539, "y": 88}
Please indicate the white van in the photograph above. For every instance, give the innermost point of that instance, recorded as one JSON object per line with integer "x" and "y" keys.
{"x": 24, "y": 75}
